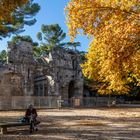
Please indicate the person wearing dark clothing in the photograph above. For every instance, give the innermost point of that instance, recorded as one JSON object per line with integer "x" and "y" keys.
{"x": 30, "y": 117}
{"x": 31, "y": 112}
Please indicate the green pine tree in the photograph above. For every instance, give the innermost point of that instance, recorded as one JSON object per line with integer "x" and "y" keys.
{"x": 52, "y": 36}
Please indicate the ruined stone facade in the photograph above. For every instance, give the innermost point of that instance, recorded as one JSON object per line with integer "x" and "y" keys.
{"x": 57, "y": 74}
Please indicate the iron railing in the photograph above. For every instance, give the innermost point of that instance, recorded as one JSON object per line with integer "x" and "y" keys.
{"x": 22, "y": 102}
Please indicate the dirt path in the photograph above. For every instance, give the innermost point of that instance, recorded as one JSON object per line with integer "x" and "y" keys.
{"x": 79, "y": 124}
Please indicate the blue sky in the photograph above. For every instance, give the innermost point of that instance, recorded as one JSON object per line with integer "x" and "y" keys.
{"x": 52, "y": 12}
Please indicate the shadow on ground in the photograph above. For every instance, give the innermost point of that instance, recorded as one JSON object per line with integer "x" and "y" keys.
{"x": 56, "y": 126}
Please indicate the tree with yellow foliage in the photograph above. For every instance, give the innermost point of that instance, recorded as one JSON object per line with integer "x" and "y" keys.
{"x": 113, "y": 58}
{"x": 14, "y": 14}
{"x": 7, "y": 7}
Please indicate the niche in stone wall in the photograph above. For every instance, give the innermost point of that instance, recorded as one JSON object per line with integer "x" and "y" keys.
{"x": 71, "y": 90}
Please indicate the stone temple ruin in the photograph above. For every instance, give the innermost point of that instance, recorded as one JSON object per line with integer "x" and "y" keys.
{"x": 57, "y": 74}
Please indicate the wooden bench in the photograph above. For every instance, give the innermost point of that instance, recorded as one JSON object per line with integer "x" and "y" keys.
{"x": 5, "y": 125}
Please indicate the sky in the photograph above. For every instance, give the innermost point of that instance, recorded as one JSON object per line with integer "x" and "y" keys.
{"x": 52, "y": 12}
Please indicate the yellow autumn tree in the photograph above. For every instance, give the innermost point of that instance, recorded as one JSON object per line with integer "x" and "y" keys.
{"x": 113, "y": 58}
{"x": 6, "y": 9}
{"x": 14, "y": 14}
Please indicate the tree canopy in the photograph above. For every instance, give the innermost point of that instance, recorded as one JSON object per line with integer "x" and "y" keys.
{"x": 52, "y": 36}
{"x": 113, "y": 58}
{"x": 14, "y": 14}
{"x": 3, "y": 55}
{"x": 18, "y": 38}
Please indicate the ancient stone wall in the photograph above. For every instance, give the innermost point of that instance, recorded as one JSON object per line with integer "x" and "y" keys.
{"x": 10, "y": 83}
{"x": 58, "y": 74}
{"x": 20, "y": 60}
{"x": 62, "y": 68}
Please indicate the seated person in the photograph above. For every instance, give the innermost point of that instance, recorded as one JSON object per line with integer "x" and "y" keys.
{"x": 31, "y": 115}
{"x": 30, "y": 112}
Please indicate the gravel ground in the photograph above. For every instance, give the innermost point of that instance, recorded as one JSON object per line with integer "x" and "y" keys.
{"x": 78, "y": 124}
